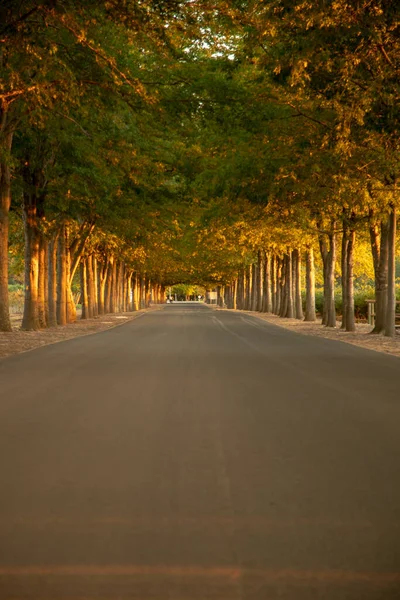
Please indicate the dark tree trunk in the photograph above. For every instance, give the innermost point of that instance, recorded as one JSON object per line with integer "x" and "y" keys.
{"x": 254, "y": 287}
{"x": 331, "y": 320}
{"x": 266, "y": 287}
{"x": 283, "y": 287}
{"x": 390, "y": 318}
{"x": 5, "y": 201}
{"x": 227, "y": 296}
{"x": 248, "y": 288}
{"x": 260, "y": 280}
{"x": 108, "y": 287}
{"x": 374, "y": 234}
{"x": 298, "y": 302}
{"x": 344, "y": 264}
{"x": 310, "y": 286}
{"x": 324, "y": 256}
{"x": 289, "y": 286}
{"x": 273, "y": 283}
{"x": 278, "y": 283}
{"x": 240, "y": 287}
{"x": 329, "y": 261}
{"x": 381, "y": 280}
{"x": 350, "y": 321}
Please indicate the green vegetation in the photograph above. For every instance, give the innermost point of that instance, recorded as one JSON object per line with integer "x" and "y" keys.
{"x": 250, "y": 146}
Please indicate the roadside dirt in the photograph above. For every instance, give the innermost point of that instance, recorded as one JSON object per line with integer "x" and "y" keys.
{"x": 18, "y": 341}
{"x": 361, "y": 337}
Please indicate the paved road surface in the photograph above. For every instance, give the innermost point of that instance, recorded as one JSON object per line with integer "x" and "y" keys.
{"x": 195, "y": 454}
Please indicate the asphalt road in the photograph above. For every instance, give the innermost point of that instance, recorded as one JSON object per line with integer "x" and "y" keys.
{"x": 194, "y": 454}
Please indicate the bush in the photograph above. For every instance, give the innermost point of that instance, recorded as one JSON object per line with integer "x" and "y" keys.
{"x": 360, "y": 301}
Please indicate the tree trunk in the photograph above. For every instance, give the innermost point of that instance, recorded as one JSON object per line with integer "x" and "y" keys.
{"x": 350, "y": 321}
{"x": 390, "y": 319}
{"x": 30, "y": 319}
{"x": 248, "y": 288}
{"x": 381, "y": 280}
{"x": 148, "y": 294}
{"x": 324, "y": 256}
{"x": 234, "y": 294}
{"x": 43, "y": 303}
{"x": 329, "y": 261}
{"x": 52, "y": 282}
{"x": 310, "y": 286}
{"x": 90, "y": 287}
{"x": 71, "y": 266}
{"x": 95, "y": 272}
{"x": 298, "y": 302}
{"x": 287, "y": 309}
{"x": 244, "y": 288}
{"x": 260, "y": 280}
{"x": 228, "y": 296}
{"x": 113, "y": 286}
{"x": 331, "y": 313}
{"x": 240, "y": 287}
{"x": 84, "y": 289}
{"x": 5, "y": 201}
{"x": 344, "y": 265}
{"x": 374, "y": 234}
{"x": 273, "y": 283}
{"x": 254, "y": 287}
{"x": 108, "y": 287}
{"x": 278, "y": 284}
{"x": 101, "y": 296}
{"x": 289, "y": 284}
{"x": 129, "y": 293}
{"x": 283, "y": 287}
{"x": 147, "y": 288}
{"x": 142, "y": 291}
{"x": 62, "y": 278}
{"x": 135, "y": 298}
{"x": 120, "y": 286}
{"x": 266, "y": 305}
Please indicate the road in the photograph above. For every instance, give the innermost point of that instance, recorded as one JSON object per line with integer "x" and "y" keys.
{"x": 195, "y": 454}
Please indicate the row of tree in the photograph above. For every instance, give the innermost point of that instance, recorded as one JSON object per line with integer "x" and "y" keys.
{"x": 147, "y": 143}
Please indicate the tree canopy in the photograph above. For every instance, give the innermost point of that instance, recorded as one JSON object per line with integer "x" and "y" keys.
{"x": 187, "y": 141}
